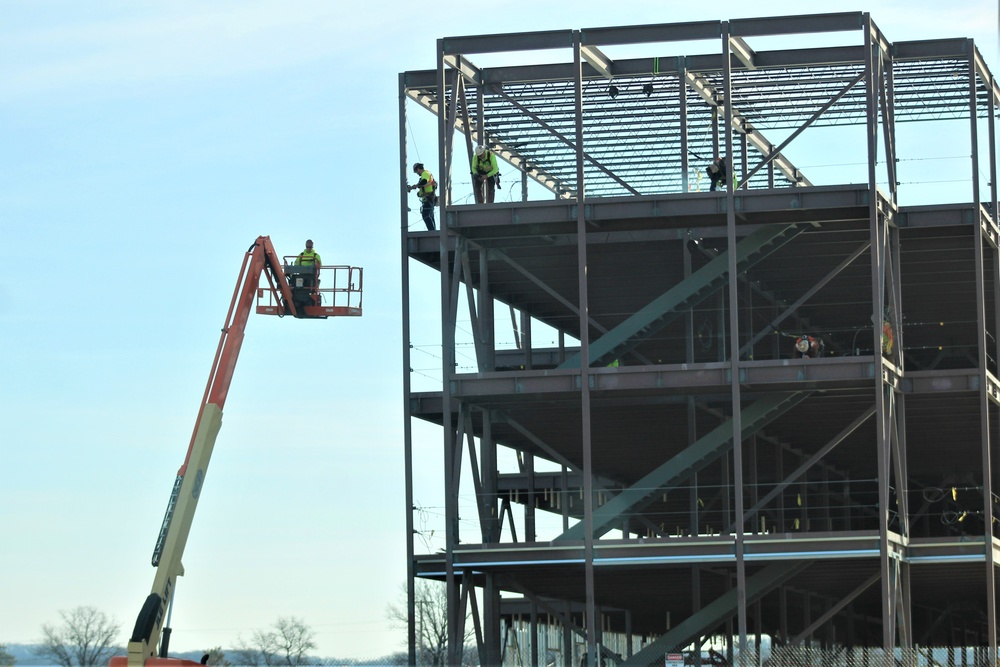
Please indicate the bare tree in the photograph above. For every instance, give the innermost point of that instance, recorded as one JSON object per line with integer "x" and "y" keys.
{"x": 84, "y": 639}
{"x": 216, "y": 657}
{"x": 431, "y": 624}
{"x": 286, "y": 644}
{"x": 6, "y": 659}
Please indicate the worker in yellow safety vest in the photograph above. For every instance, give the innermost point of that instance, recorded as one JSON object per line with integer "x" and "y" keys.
{"x": 485, "y": 175}
{"x": 426, "y": 189}
{"x": 305, "y": 281}
{"x": 308, "y": 257}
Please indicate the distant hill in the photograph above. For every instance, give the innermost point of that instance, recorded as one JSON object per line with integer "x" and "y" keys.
{"x": 26, "y": 654}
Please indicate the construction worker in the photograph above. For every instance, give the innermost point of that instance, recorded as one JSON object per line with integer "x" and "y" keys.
{"x": 887, "y": 338}
{"x": 717, "y": 172}
{"x": 426, "y": 189}
{"x": 808, "y": 347}
{"x": 485, "y": 175}
{"x": 308, "y": 257}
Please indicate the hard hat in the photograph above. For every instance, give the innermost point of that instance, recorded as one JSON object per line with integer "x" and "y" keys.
{"x": 418, "y": 166}
{"x": 480, "y": 149}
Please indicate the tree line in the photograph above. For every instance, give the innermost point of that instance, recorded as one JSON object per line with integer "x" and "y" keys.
{"x": 86, "y": 637}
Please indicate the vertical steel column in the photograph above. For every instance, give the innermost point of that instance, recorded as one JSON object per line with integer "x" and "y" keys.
{"x": 992, "y": 129}
{"x": 878, "y": 298}
{"x": 973, "y": 125}
{"x": 988, "y": 513}
{"x": 983, "y": 372}
{"x": 481, "y": 116}
{"x": 692, "y": 421}
{"x": 487, "y": 326}
{"x": 491, "y": 591}
{"x": 783, "y": 613}
{"x": 567, "y": 638}
{"x": 753, "y": 473}
{"x": 526, "y": 340}
{"x": 779, "y": 464}
{"x": 407, "y": 416}
{"x": 758, "y": 627}
{"x": 715, "y": 132}
{"x": 682, "y": 104}
{"x": 455, "y": 634}
{"x": 744, "y": 166}
{"x": 491, "y": 620}
{"x": 480, "y": 127}
{"x": 628, "y": 633}
{"x": 890, "y": 131}
{"x": 530, "y": 531}
{"x": 899, "y": 415}
{"x": 807, "y": 612}
{"x": 534, "y": 633}
{"x": 581, "y": 255}
{"x": 734, "y": 348}
{"x": 688, "y": 317}
{"x": 906, "y": 602}
{"x": 564, "y": 497}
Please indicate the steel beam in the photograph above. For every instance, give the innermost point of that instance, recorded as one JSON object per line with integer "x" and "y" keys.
{"x": 519, "y": 41}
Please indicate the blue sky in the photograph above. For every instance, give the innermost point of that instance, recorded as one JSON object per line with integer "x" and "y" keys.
{"x": 145, "y": 145}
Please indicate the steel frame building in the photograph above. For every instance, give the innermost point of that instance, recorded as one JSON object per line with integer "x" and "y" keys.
{"x": 856, "y": 507}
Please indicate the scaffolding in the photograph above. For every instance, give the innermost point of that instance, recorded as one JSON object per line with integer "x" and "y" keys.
{"x": 846, "y": 331}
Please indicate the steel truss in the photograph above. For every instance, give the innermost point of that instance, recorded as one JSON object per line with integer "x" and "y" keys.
{"x": 856, "y": 507}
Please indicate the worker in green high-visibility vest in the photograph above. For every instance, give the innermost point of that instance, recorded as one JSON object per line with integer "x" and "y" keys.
{"x": 485, "y": 175}
{"x": 426, "y": 189}
{"x": 308, "y": 257}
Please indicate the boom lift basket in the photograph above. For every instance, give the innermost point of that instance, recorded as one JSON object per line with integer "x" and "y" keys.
{"x": 317, "y": 292}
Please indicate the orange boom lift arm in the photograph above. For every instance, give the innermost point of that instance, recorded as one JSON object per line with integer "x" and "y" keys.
{"x": 286, "y": 293}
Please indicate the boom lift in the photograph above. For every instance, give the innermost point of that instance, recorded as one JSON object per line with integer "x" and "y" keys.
{"x": 291, "y": 290}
